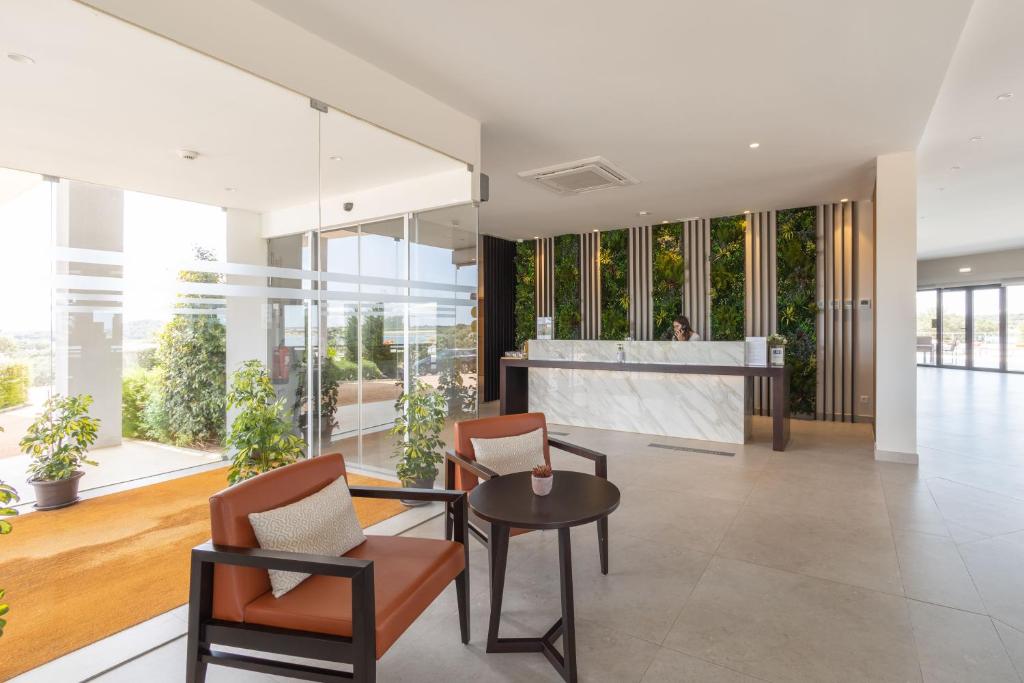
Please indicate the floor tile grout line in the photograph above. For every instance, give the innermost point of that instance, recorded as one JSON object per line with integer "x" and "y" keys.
{"x": 132, "y": 658}
{"x": 1006, "y": 649}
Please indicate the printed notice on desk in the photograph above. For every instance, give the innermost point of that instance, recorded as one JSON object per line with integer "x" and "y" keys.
{"x": 755, "y": 351}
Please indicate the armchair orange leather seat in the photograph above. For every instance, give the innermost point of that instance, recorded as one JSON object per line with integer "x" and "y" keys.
{"x": 463, "y": 472}
{"x": 351, "y": 610}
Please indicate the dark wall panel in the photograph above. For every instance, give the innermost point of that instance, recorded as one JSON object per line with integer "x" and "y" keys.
{"x": 499, "y": 307}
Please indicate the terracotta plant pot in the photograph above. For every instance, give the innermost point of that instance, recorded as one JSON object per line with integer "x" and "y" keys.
{"x": 542, "y": 485}
{"x": 417, "y": 484}
{"x": 51, "y": 495}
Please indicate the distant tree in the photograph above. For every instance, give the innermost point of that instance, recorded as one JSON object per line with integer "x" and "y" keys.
{"x": 188, "y": 406}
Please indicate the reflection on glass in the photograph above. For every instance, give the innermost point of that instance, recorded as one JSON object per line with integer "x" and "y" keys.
{"x": 985, "y": 315}
{"x": 1015, "y": 328}
{"x": 926, "y": 324}
{"x": 954, "y": 329}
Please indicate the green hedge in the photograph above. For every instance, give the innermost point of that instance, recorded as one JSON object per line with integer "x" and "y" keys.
{"x": 727, "y": 278}
{"x": 14, "y": 383}
{"x": 567, "y": 287}
{"x": 796, "y": 262}
{"x": 614, "y": 260}
{"x": 526, "y": 290}
{"x": 667, "y": 276}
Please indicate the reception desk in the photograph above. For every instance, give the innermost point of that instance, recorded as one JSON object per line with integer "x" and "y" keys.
{"x": 691, "y": 390}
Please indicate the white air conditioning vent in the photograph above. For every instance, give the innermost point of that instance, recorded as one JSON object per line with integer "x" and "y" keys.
{"x": 585, "y": 175}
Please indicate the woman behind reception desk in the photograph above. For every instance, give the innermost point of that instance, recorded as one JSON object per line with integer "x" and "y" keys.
{"x": 681, "y": 330}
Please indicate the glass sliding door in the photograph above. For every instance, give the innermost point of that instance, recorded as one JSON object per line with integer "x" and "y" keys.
{"x": 954, "y": 328}
{"x": 927, "y": 326}
{"x": 985, "y": 334}
{"x": 1015, "y": 328}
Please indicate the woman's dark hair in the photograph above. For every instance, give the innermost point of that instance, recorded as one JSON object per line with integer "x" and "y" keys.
{"x": 684, "y": 323}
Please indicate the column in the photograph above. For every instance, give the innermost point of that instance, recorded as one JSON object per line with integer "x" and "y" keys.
{"x": 88, "y": 318}
{"x": 895, "y": 308}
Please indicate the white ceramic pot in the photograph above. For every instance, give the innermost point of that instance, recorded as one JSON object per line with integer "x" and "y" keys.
{"x": 542, "y": 485}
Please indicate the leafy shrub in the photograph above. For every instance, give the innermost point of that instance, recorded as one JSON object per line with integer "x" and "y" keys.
{"x": 727, "y": 278}
{"x": 14, "y": 383}
{"x": 261, "y": 435}
{"x": 59, "y": 438}
{"x": 567, "y": 287}
{"x": 797, "y": 303}
{"x": 526, "y": 292}
{"x": 667, "y": 274}
{"x": 614, "y": 259}
{"x": 137, "y": 388}
{"x": 347, "y": 370}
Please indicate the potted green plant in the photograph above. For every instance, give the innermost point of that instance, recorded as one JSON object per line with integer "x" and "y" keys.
{"x": 57, "y": 442}
{"x": 261, "y": 433}
{"x": 331, "y": 375}
{"x": 418, "y": 424}
{"x": 777, "y": 348}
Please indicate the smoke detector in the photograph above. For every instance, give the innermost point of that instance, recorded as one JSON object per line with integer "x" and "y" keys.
{"x": 577, "y": 177}
{"x": 188, "y": 154}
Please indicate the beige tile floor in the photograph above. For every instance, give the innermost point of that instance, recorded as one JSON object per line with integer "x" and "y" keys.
{"x": 816, "y": 564}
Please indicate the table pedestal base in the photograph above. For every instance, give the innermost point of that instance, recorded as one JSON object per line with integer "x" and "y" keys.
{"x": 565, "y": 627}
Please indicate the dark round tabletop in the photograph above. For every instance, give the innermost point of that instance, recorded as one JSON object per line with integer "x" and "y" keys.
{"x": 576, "y": 498}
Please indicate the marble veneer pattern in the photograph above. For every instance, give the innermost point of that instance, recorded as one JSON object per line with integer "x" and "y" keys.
{"x": 707, "y": 407}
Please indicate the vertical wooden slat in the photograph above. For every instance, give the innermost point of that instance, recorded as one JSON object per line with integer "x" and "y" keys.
{"x": 819, "y": 298}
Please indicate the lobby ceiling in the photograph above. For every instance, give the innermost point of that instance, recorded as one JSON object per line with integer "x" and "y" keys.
{"x": 971, "y": 193}
{"x": 673, "y": 93}
{"x": 103, "y": 101}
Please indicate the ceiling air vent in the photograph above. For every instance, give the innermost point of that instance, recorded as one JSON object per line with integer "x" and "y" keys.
{"x": 585, "y": 175}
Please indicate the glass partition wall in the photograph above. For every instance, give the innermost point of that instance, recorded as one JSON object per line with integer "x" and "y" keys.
{"x": 976, "y": 327}
{"x": 294, "y": 240}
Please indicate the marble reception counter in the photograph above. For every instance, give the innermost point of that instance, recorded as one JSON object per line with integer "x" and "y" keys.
{"x": 693, "y": 390}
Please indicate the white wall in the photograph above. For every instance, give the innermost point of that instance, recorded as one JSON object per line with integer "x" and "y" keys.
{"x": 251, "y": 37}
{"x": 895, "y": 307}
{"x": 994, "y": 267}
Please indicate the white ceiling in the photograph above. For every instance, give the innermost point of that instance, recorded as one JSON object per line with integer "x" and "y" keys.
{"x": 981, "y": 207}
{"x": 110, "y": 103}
{"x": 671, "y": 91}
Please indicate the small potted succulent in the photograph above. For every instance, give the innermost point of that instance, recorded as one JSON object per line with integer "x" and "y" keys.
{"x": 777, "y": 346}
{"x": 542, "y": 479}
{"x": 57, "y": 442}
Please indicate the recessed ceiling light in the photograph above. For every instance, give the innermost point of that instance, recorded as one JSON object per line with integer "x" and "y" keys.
{"x": 188, "y": 154}
{"x": 975, "y": 138}
{"x": 754, "y": 145}
{"x": 643, "y": 212}
{"x": 335, "y": 158}
{"x": 20, "y": 58}
{"x": 536, "y": 237}
{"x": 965, "y": 269}
{"x": 843, "y": 200}
{"x": 519, "y": 240}
{"x": 747, "y": 212}
{"x": 595, "y": 229}
{"x": 954, "y": 168}
{"x": 1002, "y": 97}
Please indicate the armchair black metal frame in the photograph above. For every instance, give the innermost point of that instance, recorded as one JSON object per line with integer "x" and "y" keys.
{"x": 453, "y": 460}
{"x": 359, "y": 650}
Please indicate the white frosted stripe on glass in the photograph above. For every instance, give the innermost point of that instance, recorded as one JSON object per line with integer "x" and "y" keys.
{"x": 101, "y": 257}
{"x": 115, "y": 284}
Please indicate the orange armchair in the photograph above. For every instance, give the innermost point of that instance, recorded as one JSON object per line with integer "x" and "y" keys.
{"x": 352, "y": 608}
{"x": 463, "y": 472}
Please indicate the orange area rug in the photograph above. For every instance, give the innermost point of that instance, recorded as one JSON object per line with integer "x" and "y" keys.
{"x": 77, "y": 575}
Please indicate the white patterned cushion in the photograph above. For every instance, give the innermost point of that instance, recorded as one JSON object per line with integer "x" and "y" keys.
{"x": 324, "y": 523}
{"x": 510, "y": 454}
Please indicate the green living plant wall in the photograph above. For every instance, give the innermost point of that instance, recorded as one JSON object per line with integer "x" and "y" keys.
{"x": 567, "y": 287}
{"x": 796, "y": 263}
{"x": 666, "y": 275}
{"x": 526, "y": 289}
{"x": 614, "y": 261}
{"x": 727, "y": 278}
